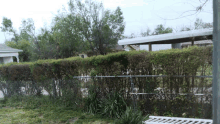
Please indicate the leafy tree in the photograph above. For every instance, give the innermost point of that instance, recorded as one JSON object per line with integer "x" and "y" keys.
{"x": 6, "y": 24}
{"x": 20, "y": 40}
{"x": 23, "y": 45}
{"x": 27, "y": 30}
{"x": 162, "y": 30}
{"x": 100, "y": 28}
{"x": 45, "y": 46}
{"x": 198, "y": 24}
{"x": 7, "y": 27}
{"x": 145, "y": 33}
{"x": 67, "y": 36}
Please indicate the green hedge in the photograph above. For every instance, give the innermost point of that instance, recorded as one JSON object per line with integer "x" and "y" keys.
{"x": 171, "y": 62}
{"x": 49, "y": 74}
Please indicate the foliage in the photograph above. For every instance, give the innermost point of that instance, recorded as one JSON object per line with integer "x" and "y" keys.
{"x": 145, "y": 32}
{"x": 114, "y": 105}
{"x": 6, "y": 25}
{"x": 100, "y": 28}
{"x": 66, "y": 36}
{"x": 162, "y": 30}
{"x": 131, "y": 117}
{"x": 93, "y": 102}
{"x": 198, "y": 24}
{"x": 44, "y": 110}
{"x": 45, "y": 47}
{"x": 23, "y": 45}
{"x": 24, "y": 39}
{"x": 188, "y": 61}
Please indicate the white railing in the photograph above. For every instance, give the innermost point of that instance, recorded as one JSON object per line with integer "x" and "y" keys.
{"x": 176, "y": 120}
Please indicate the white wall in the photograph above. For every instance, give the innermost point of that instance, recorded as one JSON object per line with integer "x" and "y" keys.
{"x": 85, "y": 55}
{"x": 156, "y": 47}
{"x": 8, "y": 59}
{"x": 8, "y": 54}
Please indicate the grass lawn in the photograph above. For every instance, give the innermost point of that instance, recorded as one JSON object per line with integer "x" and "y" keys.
{"x": 47, "y": 115}
{"x": 10, "y": 115}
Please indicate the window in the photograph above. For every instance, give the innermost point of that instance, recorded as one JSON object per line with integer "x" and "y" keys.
{"x": 82, "y": 56}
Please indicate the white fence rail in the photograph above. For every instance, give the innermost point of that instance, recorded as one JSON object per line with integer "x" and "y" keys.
{"x": 176, "y": 120}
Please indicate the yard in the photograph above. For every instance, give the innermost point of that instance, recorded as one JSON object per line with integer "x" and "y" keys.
{"x": 20, "y": 114}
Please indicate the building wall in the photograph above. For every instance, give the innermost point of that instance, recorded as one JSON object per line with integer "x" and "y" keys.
{"x": 7, "y": 59}
{"x": 8, "y": 54}
{"x": 156, "y": 47}
{"x": 83, "y": 55}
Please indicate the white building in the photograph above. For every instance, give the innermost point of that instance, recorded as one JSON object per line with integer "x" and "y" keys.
{"x": 7, "y": 53}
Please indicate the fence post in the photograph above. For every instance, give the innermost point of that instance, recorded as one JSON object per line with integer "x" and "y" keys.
{"x": 216, "y": 61}
{"x": 134, "y": 99}
{"x": 54, "y": 88}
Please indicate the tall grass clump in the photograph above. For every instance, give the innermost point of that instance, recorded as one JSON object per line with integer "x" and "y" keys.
{"x": 113, "y": 105}
{"x": 92, "y": 102}
{"x": 131, "y": 117}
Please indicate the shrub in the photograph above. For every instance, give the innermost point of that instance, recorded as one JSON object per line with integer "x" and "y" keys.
{"x": 131, "y": 117}
{"x": 92, "y": 102}
{"x": 114, "y": 105}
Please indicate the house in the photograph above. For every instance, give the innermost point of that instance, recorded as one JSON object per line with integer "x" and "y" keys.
{"x": 7, "y": 54}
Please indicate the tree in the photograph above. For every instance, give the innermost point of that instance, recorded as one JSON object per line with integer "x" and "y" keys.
{"x": 160, "y": 29}
{"x": 198, "y": 24}
{"x": 45, "y": 47}
{"x": 23, "y": 45}
{"x": 7, "y": 27}
{"x": 67, "y": 36}
{"x": 100, "y": 28}
{"x": 20, "y": 40}
{"x": 145, "y": 32}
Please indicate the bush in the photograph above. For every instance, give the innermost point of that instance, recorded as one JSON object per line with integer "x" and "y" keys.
{"x": 113, "y": 106}
{"x": 131, "y": 117}
{"x": 92, "y": 102}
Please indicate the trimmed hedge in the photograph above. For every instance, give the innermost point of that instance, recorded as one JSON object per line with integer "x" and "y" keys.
{"x": 172, "y": 61}
{"x": 49, "y": 74}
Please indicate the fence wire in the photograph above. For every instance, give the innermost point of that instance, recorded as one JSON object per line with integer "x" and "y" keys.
{"x": 153, "y": 94}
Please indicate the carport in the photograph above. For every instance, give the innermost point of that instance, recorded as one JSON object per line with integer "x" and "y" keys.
{"x": 171, "y": 38}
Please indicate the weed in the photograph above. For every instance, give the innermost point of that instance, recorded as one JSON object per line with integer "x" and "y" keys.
{"x": 131, "y": 117}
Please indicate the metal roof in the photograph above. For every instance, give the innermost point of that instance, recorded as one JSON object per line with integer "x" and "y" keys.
{"x": 5, "y": 48}
{"x": 170, "y": 38}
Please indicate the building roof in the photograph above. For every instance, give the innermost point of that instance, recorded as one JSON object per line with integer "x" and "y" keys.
{"x": 198, "y": 42}
{"x": 170, "y": 38}
{"x": 5, "y": 48}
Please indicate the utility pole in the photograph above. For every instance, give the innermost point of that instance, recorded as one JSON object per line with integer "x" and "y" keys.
{"x": 216, "y": 63}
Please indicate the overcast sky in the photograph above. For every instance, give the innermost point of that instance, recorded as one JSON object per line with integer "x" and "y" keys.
{"x": 138, "y": 14}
